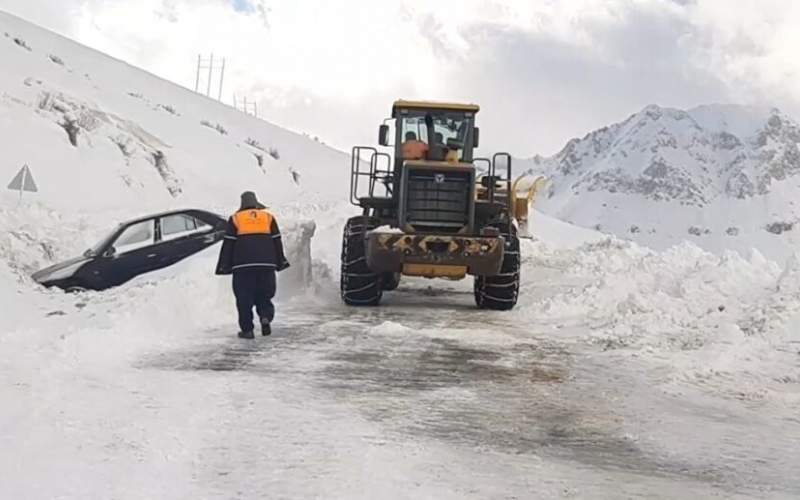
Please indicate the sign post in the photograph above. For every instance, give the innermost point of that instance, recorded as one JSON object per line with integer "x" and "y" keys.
{"x": 23, "y": 181}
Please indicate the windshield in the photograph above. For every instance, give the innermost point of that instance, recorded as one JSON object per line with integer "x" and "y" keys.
{"x": 100, "y": 245}
{"x": 437, "y": 133}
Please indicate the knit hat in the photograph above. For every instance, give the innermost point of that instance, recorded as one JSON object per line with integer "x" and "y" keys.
{"x": 250, "y": 201}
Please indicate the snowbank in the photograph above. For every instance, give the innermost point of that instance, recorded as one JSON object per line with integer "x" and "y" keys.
{"x": 724, "y": 322}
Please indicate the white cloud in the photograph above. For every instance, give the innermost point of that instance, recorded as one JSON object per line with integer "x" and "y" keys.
{"x": 543, "y": 71}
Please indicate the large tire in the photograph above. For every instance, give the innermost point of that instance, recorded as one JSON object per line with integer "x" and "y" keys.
{"x": 390, "y": 281}
{"x": 500, "y": 292}
{"x": 359, "y": 285}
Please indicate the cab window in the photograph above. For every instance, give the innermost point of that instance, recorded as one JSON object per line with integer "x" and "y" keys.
{"x": 445, "y": 133}
{"x": 416, "y": 126}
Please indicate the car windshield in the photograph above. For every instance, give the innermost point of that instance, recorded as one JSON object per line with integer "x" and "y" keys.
{"x": 100, "y": 245}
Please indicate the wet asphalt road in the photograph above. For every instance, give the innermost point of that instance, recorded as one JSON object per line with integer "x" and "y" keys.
{"x": 425, "y": 397}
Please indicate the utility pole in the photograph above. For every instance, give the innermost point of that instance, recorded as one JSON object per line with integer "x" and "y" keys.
{"x": 208, "y": 64}
{"x": 248, "y": 107}
{"x": 221, "y": 80}
{"x": 210, "y": 70}
{"x": 197, "y": 80}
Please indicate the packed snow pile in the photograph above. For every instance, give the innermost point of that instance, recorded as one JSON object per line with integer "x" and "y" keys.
{"x": 726, "y": 322}
{"x": 721, "y": 176}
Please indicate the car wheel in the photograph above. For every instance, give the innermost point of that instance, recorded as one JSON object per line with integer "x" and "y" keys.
{"x": 76, "y": 288}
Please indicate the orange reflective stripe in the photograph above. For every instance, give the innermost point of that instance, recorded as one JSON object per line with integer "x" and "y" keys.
{"x": 252, "y": 222}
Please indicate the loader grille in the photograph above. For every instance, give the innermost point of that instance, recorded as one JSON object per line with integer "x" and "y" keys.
{"x": 439, "y": 199}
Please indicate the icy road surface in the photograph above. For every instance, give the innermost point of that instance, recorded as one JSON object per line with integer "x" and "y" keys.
{"x": 424, "y": 397}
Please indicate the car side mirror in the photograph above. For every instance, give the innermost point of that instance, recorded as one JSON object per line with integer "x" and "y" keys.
{"x": 476, "y": 137}
{"x": 383, "y": 135}
{"x": 110, "y": 252}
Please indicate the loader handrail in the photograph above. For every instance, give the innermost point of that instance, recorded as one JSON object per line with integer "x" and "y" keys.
{"x": 356, "y": 172}
{"x": 376, "y": 173}
{"x": 506, "y": 179}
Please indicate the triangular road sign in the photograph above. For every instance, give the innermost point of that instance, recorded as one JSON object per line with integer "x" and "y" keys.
{"x": 23, "y": 181}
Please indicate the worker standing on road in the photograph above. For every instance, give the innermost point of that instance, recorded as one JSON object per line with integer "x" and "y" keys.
{"x": 252, "y": 251}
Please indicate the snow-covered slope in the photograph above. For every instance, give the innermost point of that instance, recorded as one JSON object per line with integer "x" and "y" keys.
{"x": 722, "y": 176}
{"x": 106, "y": 141}
{"x": 100, "y": 134}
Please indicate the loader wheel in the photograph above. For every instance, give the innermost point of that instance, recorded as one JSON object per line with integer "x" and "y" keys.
{"x": 500, "y": 292}
{"x": 359, "y": 285}
{"x": 390, "y": 281}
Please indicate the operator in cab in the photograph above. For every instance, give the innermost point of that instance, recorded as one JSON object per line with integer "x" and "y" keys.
{"x": 412, "y": 148}
{"x": 252, "y": 252}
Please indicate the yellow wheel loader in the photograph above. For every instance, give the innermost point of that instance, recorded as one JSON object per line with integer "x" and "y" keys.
{"x": 430, "y": 208}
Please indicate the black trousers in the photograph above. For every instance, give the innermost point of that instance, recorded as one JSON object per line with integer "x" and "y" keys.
{"x": 254, "y": 286}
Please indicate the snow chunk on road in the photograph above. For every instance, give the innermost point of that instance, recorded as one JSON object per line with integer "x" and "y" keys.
{"x": 390, "y": 328}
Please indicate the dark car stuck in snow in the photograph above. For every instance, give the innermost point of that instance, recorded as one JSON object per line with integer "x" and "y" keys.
{"x": 136, "y": 247}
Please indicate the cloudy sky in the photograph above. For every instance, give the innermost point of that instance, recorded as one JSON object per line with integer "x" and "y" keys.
{"x": 543, "y": 70}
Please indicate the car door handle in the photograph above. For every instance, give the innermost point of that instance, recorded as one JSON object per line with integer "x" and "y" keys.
{"x": 152, "y": 255}
{"x": 210, "y": 238}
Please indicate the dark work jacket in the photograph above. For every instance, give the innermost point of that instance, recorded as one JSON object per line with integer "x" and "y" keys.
{"x": 252, "y": 241}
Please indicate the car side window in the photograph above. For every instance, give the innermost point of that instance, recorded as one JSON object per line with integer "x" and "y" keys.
{"x": 176, "y": 226}
{"x": 202, "y": 226}
{"x": 136, "y": 236}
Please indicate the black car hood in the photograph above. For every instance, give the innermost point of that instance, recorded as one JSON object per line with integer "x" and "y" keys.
{"x": 47, "y": 271}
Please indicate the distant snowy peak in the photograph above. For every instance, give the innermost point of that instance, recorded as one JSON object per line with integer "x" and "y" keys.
{"x": 734, "y": 119}
{"x": 689, "y": 156}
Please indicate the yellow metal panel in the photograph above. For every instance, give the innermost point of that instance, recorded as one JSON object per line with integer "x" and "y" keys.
{"x": 435, "y": 271}
{"x": 445, "y": 106}
{"x": 435, "y": 165}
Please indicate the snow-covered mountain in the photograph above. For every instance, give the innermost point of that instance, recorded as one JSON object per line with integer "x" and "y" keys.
{"x": 723, "y": 176}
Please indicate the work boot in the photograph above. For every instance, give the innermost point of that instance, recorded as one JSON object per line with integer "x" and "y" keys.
{"x": 247, "y": 335}
{"x": 266, "y": 329}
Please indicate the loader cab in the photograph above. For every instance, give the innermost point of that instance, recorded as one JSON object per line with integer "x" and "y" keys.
{"x": 447, "y": 132}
